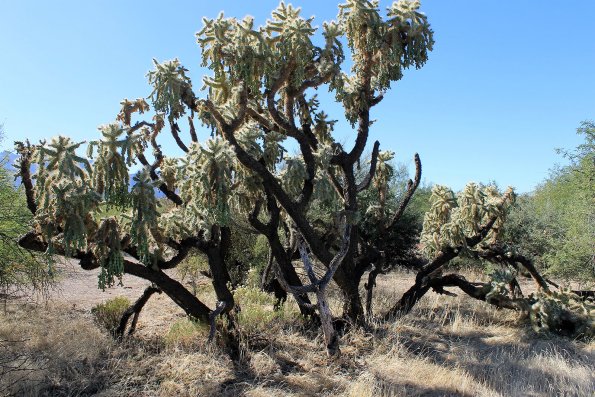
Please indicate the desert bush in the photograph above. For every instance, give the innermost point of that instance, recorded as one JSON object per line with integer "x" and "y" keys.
{"x": 257, "y": 311}
{"x": 20, "y": 270}
{"x": 186, "y": 334}
{"x": 192, "y": 268}
{"x": 108, "y": 314}
{"x": 555, "y": 224}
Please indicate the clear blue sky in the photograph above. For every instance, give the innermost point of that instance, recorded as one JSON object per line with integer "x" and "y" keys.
{"x": 508, "y": 81}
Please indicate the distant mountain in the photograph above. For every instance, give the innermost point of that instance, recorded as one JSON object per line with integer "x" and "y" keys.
{"x": 8, "y": 158}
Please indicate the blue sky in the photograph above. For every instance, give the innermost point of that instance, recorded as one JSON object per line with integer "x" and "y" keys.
{"x": 507, "y": 83}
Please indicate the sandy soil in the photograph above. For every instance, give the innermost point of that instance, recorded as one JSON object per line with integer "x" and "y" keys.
{"x": 77, "y": 288}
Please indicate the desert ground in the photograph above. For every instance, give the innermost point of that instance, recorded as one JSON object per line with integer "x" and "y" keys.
{"x": 447, "y": 346}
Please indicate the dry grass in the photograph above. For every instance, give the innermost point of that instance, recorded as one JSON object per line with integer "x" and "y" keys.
{"x": 52, "y": 352}
{"x": 445, "y": 347}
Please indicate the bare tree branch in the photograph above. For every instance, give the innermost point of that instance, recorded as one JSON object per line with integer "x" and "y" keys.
{"x": 411, "y": 187}
{"x": 365, "y": 183}
{"x": 175, "y": 129}
{"x": 25, "y": 151}
{"x": 135, "y": 310}
{"x": 193, "y": 135}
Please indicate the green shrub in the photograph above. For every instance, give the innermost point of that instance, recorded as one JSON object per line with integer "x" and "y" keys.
{"x": 191, "y": 268}
{"x": 19, "y": 269}
{"x": 186, "y": 333}
{"x": 257, "y": 313}
{"x": 108, "y": 314}
{"x": 555, "y": 224}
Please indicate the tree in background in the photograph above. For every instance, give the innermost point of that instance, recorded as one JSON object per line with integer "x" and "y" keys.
{"x": 20, "y": 271}
{"x": 556, "y": 223}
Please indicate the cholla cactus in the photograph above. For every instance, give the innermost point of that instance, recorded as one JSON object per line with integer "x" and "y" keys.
{"x": 361, "y": 22}
{"x": 227, "y": 41}
{"x": 291, "y": 36}
{"x": 250, "y": 137}
{"x": 58, "y": 160}
{"x": 493, "y": 207}
{"x": 170, "y": 85}
{"x": 562, "y": 312}
{"x": 273, "y": 150}
{"x": 323, "y": 127}
{"x": 324, "y": 191}
{"x": 128, "y": 107}
{"x": 259, "y": 95}
{"x": 107, "y": 250}
{"x": 384, "y": 173}
{"x": 385, "y": 48}
{"x": 472, "y": 200}
{"x": 144, "y": 214}
{"x": 182, "y": 222}
{"x": 293, "y": 175}
{"x": 404, "y": 17}
{"x": 247, "y": 192}
{"x": 499, "y": 281}
{"x": 170, "y": 172}
{"x": 115, "y": 153}
{"x": 238, "y": 53}
{"x": 63, "y": 195}
{"x": 208, "y": 179}
{"x": 72, "y": 206}
{"x": 451, "y": 220}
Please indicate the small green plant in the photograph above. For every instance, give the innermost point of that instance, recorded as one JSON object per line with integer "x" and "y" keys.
{"x": 186, "y": 333}
{"x": 258, "y": 261}
{"x": 192, "y": 268}
{"x": 19, "y": 271}
{"x": 257, "y": 311}
{"x": 108, "y": 314}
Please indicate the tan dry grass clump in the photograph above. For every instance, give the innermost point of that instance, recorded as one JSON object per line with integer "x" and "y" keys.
{"x": 193, "y": 374}
{"x": 53, "y": 350}
{"x": 187, "y": 335}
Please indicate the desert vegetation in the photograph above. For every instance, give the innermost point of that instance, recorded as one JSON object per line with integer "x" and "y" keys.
{"x": 273, "y": 259}
{"x": 453, "y": 346}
